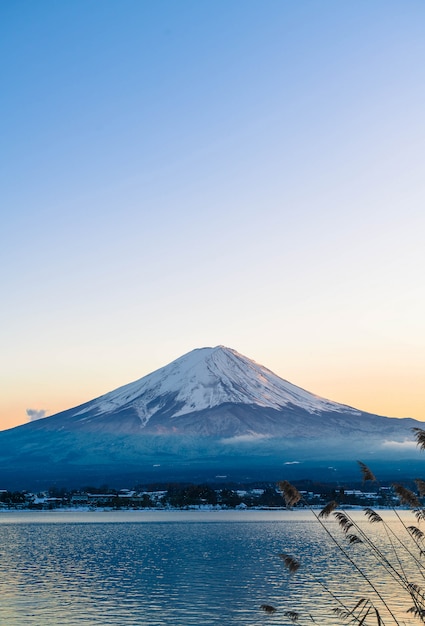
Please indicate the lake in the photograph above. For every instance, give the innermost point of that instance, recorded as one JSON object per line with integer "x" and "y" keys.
{"x": 178, "y": 568}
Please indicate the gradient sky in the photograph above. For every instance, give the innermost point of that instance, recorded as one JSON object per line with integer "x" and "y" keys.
{"x": 185, "y": 174}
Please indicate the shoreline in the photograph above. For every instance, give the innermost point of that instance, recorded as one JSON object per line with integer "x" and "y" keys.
{"x": 104, "y": 515}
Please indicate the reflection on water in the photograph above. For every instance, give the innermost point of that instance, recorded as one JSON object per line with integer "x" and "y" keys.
{"x": 170, "y": 568}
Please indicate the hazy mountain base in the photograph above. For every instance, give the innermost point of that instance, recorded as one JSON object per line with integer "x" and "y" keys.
{"x": 229, "y": 420}
{"x": 28, "y": 461}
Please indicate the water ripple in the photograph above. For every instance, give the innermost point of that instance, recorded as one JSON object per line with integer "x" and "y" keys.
{"x": 169, "y": 573}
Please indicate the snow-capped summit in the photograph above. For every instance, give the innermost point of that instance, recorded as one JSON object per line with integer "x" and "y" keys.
{"x": 206, "y": 378}
{"x": 212, "y": 392}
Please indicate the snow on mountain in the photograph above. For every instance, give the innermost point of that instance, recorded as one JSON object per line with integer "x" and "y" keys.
{"x": 206, "y": 378}
{"x": 210, "y": 412}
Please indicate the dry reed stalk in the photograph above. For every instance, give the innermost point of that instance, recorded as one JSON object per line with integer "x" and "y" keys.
{"x": 365, "y": 608}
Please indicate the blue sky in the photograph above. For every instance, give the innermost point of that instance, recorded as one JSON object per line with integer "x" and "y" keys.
{"x": 186, "y": 174}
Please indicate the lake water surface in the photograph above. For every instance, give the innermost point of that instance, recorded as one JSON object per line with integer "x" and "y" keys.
{"x": 177, "y": 568}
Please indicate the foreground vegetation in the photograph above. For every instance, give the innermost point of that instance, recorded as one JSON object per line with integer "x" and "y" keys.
{"x": 401, "y": 560}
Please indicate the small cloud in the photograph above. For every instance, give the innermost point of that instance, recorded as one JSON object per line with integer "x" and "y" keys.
{"x": 292, "y": 462}
{"x": 245, "y": 438}
{"x": 34, "y": 414}
{"x": 404, "y": 445}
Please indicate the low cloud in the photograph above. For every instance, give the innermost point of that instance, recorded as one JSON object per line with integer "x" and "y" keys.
{"x": 292, "y": 462}
{"x": 404, "y": 445}
{"x": 245, "y": 438}
{"x": 34, "y": 414}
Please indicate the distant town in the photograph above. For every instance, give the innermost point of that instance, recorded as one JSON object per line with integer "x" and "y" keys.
{"x": 177, "y": 496}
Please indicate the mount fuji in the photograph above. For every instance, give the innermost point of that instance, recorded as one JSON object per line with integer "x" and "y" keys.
{"x": 210, "y": 414}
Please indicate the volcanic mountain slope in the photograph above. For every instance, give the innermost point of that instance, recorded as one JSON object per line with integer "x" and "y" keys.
{"x": 211, "y": 412}
{"x": 219, "y": 393}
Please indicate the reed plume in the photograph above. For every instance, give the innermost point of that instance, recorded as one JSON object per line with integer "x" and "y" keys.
{"x": 366, "y": 472}
{"x": 420, "y": 437}
{"x": 292, "y": 615}
{"x": 290, "y": 493}
{"x": 372, "y": 516}
{"x": 420, "y": 484}
{"x": 292, "y": 564}
{"x": 328, "y": 509}
{"x": 406, "y": 496}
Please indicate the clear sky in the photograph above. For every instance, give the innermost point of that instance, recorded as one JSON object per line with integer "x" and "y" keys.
{"x": 180, "y": 174}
